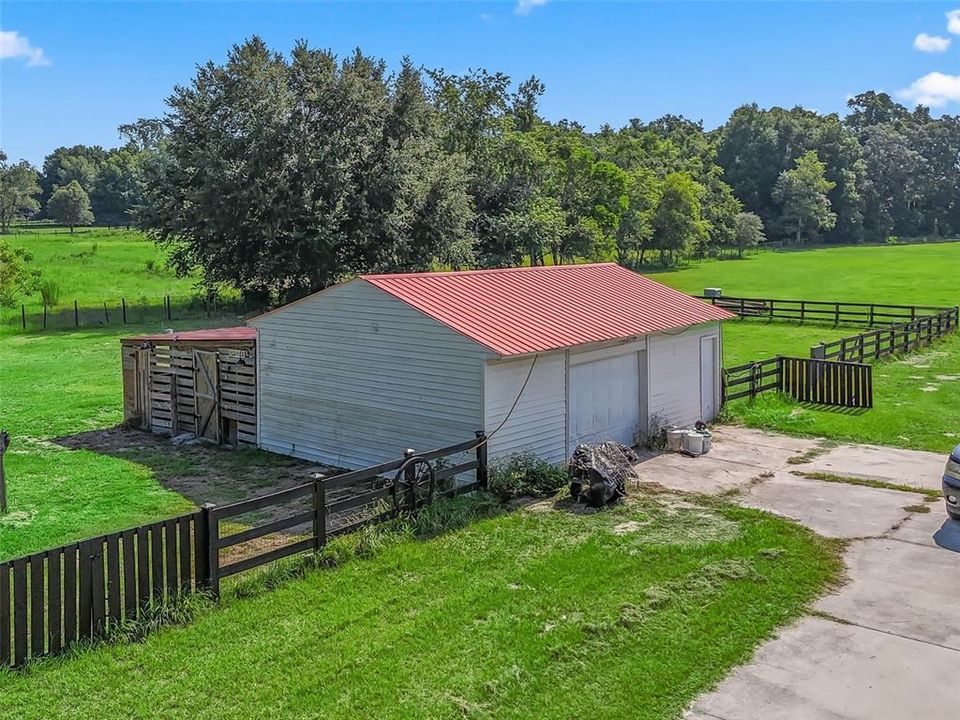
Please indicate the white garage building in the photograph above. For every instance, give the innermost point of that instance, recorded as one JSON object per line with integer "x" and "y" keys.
{"x": 352, "y": 375}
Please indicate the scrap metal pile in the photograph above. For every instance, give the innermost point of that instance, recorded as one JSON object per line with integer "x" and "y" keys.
{"x": 599, "y": 473}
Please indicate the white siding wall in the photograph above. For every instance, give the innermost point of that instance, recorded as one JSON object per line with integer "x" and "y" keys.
{"x": 352, "y": 376}
{"x": 538, "y": 423}
{"x": 673, "y": 384}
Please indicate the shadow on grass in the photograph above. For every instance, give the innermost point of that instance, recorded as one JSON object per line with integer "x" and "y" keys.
{"x": 201, "y": 472}
{"x": 834, "y": 409}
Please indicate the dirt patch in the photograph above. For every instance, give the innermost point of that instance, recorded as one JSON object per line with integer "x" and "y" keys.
{"x": 204, "y": 473}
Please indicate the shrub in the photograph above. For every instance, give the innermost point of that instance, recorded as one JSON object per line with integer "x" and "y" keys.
{"x": 50, "y": 293}
{"x": 525, "y": 474}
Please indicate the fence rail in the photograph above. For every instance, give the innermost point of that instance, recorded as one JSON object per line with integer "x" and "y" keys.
{"x": 51, "y": 599}
{"x": 836, "y": 313}
{"x": 822, "y": 382}
{"x": 900, "y": 338}
{"x": 120, "y": 311}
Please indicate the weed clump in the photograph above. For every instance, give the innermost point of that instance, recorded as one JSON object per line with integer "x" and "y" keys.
{"x": 526, "y": 475}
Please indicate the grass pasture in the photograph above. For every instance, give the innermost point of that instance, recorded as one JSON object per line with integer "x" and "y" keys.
{"x": 891, "y": 274}
{"x": 916, "y": 398}
{"x": 97, "y": 264}
{"x": 537, "y": 613}
{"x": 66, "y": 481}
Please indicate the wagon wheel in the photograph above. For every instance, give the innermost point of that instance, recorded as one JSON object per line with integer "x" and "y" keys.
{"x": 414, "y": 484}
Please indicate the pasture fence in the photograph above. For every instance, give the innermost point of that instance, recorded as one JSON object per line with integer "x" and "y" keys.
{"x": 835, "y": 313}
{"x": 897, "y": 339}
{"x": 52, "y": 599}
{"x": 821, "y": 382}
{"x": 74, "y": 314}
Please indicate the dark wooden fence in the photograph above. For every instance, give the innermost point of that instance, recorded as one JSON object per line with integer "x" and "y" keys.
{"x": 835, "y": 313}
{"x": 751, "y": 379}
{"x": 827, "y": 382}
{"x": 52, "y": 599}
{"x": 897, "y": 339}
{"x": 822, "y": 382}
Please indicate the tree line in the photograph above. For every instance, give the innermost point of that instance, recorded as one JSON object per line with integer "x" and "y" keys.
{"x": 282, "y": 174}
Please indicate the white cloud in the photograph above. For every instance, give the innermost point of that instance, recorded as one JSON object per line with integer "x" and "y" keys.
{"x": 486, "y": 17}
{"x": 14, "y": 45}
{"x": 933, "y": 90}
{"x": 524, "y": 7}
{"x": 953, "y": 22}
{"x": 931, "y": 43}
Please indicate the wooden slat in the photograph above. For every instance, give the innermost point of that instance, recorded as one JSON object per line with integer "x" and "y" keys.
{"x": 38, "y": 631}
{"x": 98, "y": 594}
{"x": 171, "y": 565}
{"x": 70, "y": 594}
{"x": 128, "y": 558}
{"x": 143, "y": 565}
{"x": 6, "y": 604}
{"x": 113, "y": 568}
{"x": 54, "y": 601}
{"x": 183, "y": 544}
{"x": 156, "y": 560}
{"x": 20, "y": 625}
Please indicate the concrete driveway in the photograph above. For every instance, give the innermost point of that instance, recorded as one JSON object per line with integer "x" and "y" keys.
{"x": 884, "y": 645}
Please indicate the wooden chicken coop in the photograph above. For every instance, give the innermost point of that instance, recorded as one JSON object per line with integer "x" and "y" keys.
{"x": 201, "y": 382}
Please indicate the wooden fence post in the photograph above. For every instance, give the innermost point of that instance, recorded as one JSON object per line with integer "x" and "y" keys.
{"x": 207, "y": 553}
{"x": 482, "y": 472}
{"x": 123, "y": 305}
{"x": 319, "y": 515}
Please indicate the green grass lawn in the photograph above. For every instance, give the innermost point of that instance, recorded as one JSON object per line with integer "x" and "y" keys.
{"x": 916, "y": 399}
{"x": 916, "y": 405}
{"x": 58, "y": 384}
{"x": 97, "y": 264}
{"x": 63, "y": 384}
{"x": 893, "y": 274}
{"x": 748, "y": 340}
{"x": 547, "y": 613}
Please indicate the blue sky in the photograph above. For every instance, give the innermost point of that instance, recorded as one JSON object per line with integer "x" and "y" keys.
{"x": 72, "y": 71}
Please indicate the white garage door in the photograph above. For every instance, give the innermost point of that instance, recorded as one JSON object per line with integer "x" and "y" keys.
{"x": 605, "y": 400}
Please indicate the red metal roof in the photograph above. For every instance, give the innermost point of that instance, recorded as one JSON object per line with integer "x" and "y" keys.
{"x": 226, "y": 334}
{"x": 517, "y": 311}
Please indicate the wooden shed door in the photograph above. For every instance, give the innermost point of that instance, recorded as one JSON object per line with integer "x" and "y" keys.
{"x": 207, "y": 394}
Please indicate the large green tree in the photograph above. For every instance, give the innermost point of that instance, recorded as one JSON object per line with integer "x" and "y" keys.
{"x": 70, "y": 206}
{"x": 748, "y": 231}
{"x": 19, "y": 189}
{"x": 677, "y": 222}
{"x": 281, "y": 177}
{"x": 802, "y": 194}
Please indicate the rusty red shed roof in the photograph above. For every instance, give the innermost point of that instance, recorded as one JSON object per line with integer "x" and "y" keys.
{"x": 517, "y": 311}
{"x": 223, "y": 334}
